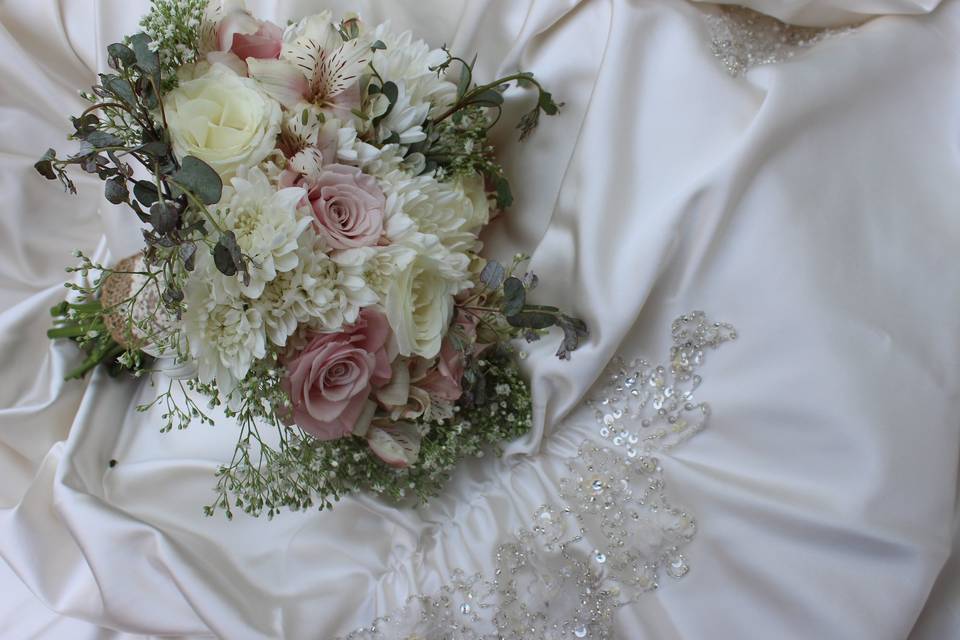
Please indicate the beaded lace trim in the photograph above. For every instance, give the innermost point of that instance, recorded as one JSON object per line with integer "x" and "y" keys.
{"x": 613, "y": 530}
{"x": 743, "y": 39}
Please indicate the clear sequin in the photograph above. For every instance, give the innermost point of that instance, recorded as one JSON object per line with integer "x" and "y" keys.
{"x": 609, "y": 535}
{"x": 743, "y": 39}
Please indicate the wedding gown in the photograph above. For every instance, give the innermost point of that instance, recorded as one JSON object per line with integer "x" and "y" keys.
{"x": 813, "y": 204}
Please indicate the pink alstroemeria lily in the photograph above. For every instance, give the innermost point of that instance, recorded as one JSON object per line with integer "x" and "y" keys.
{"x": 315, "y": 66}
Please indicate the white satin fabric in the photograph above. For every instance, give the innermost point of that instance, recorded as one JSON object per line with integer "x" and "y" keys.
{"x": 813, "y": 204}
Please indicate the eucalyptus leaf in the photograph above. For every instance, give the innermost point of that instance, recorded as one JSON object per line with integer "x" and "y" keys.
{"x": 487, "y": 98}
{"x": 493, "y": 274}
{"x": 102, "y": 140}
{"x": 155, "y": 148}
{"x": 164, "y": 216}
{"x": 378, "y": 44}
{"x": 514, "y": 296}
{"x": 115, "y": 190}
{"x": 390, "y": 90}
{"x": 122, "y": 52}
{"x": 85, "y": 125}
{"x": 574, "y": 331}
{"x": 532, "y": 320}
{"x": 44, "y": 165}
{"x": 200, "y": 179}
{"x": 145, "y": 192}
{"x": 223, "y": 260}
{"x": 188, "y": 254}
{"x": 227, "y": 255}
{"x": 504, "y": 193}
{"x": 147, "y": 60}
{"x": 120, "y": 88}
{"x": 546, "y": 103}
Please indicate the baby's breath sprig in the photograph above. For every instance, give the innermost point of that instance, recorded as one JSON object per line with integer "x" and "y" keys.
{"x": 174, "y": 27}
{"x": 295, "y": 471}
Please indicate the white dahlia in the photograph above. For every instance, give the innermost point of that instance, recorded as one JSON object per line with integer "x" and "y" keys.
{"x": 267, "y": 226}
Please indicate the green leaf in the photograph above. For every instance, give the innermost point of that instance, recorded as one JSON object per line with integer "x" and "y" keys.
{"x": 504, "y": 194}
{"x": 492, "y": 274}
{"x": 379, "y": 44}
{"x": 85, "y": 125}
{"x": 164, "y": 216}
{"x": 158, "y": 149}
{"x": 102, "y": 140}
{"x": 524, "y": 79}
{"x": 200, "y": 179}
{"x": 466, "y": 78}
{"x": 188, "y": 254}
{"x": 44, "y": 165}
{"x": 121, "y": 52}
{"x": 574, "y": 331}
{"x": 514, "y": 296}
{"x": 147, "y": 60}
{"x": 547, "y": 104}
{"x": 145, "y": 192}
{"x": 115, "y": 190}
{"x": 390, "y": 90}
{"x": 532, "y": 320}
{"x": 487, "y": 98}
{"x": 226, "y": 254}
{"x": 119, "y": 88}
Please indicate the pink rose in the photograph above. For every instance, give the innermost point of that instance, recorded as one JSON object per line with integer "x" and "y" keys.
{"x": 242, "y": 34}
{"x": 347, "y": 206}
{"x": 443, "y": 381}
{"x": 330, "y": 380}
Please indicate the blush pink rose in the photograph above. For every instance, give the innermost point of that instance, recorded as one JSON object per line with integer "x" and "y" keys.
{"x": 444, "y": 380}
{"x": 240, "y": 33}
{"x": 330, "y": 380}
{"x": 347, "y": 206}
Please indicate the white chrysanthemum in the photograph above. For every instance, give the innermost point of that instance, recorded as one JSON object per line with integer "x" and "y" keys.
{"x": 453, "y": 211}
{"x": 405, "y": 119}
{"x": 376, "y": 267}
{"x": 225, "y": 336}
{"x": 333, "y": 296}
{"x": 407, "y": 63}
{"x": 420, "y": 298}
{"x": 267, "y": 226}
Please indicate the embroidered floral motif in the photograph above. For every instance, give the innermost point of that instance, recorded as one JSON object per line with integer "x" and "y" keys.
{"x": 613, "y": 530}
{"x": 743, "y": 39}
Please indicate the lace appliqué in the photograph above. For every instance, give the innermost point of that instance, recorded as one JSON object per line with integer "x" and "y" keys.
{"x": 610, "y": 535}
{"x": 742, "y": 38}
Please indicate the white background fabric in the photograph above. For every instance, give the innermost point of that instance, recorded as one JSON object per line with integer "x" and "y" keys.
{"x": 813, "y": 204}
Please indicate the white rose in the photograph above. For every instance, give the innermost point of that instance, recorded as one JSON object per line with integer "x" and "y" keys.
{"x": 224, "y": 119}
{"x": 419, "y": 300}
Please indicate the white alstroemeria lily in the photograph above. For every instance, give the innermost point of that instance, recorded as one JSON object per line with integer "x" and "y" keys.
{"x": 397, "y": 444}
{"x": 315, "y": 66}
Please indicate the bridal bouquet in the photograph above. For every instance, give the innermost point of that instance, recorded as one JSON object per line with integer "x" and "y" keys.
{"x": 311, "y": 200}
